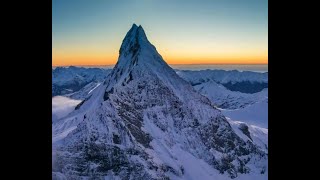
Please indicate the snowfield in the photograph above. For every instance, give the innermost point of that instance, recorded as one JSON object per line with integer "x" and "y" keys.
{"x": 255, "y": 114}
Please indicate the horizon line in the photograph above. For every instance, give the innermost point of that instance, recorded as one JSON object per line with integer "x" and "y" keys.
{"x": 173, "y": 64}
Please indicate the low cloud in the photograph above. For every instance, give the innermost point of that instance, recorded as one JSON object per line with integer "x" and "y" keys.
{"x": 62, "y": 106}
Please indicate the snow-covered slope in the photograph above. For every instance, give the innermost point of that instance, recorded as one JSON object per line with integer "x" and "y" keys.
{"x": 245, "y": 81}
{"x": 258, "y": 135}
{"x": 84, "y": 92}
{"x": 145, "y": 122}
{"x": 67, "y": 80}
{"x": 255, "y": 114}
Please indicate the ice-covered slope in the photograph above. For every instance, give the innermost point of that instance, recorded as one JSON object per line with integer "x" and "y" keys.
{"x": 67, "y": 80}
{"x": 145, "y": 122}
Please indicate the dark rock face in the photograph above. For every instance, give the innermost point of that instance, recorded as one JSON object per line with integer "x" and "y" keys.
{"x": 90, "y": 153}
{"x": 95, "y": 161}
{"x": 107, "y": 93}
{"x": 116, "y": 139}
{"x": 245, "y": 130}
{"x": 79, "y": 105}
{"x": 234, "y": 148}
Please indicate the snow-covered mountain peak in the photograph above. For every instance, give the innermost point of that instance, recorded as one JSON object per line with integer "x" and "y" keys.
{"x": 134, "y": 40}
{"x": 146, "y": 122}
{"x": 138, "y": 57}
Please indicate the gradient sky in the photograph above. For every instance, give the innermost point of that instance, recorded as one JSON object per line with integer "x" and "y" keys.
{"x": 90, "y": 32}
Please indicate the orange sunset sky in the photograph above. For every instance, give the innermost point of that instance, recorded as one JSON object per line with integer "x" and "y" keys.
{"x": 211, "y": 32}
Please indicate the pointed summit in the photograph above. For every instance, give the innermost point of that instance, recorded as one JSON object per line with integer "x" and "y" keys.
{"x": 134, "y": 39}
{"x": 134, "y": 25}
{"x": 141, "y": 34}
{"x": 137, "y": 52}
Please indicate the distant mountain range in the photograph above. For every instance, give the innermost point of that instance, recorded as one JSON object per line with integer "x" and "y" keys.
{"x": 227, "y": 89}
{"x": 245, "y": 81}
{"x": 67, "y": 80}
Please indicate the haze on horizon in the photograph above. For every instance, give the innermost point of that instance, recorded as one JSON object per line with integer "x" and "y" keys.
{"x": 184, "y": 32}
